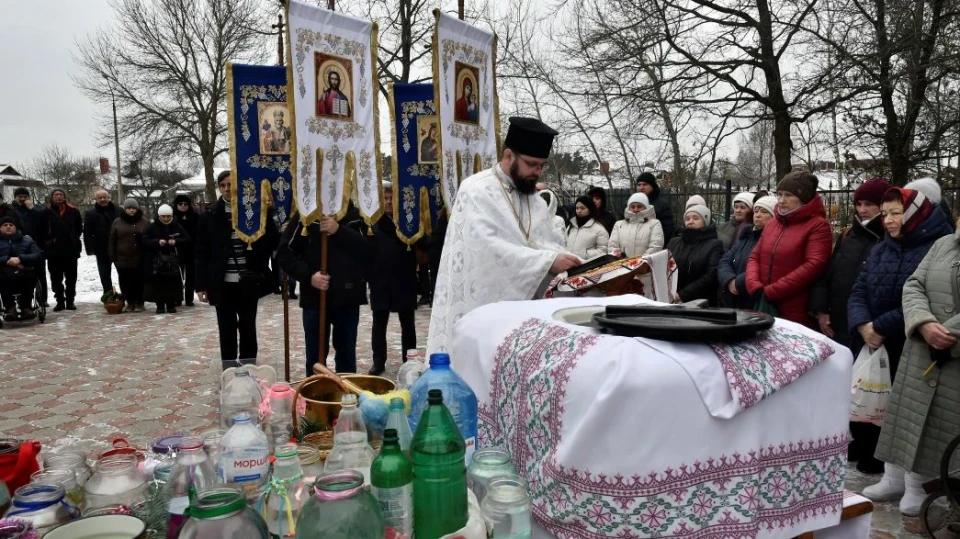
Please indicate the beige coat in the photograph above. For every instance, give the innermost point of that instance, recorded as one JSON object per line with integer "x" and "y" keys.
{"x": 923, "y": 413}
{"x": 589, "y": 241}
{"x": 640, "y": 235}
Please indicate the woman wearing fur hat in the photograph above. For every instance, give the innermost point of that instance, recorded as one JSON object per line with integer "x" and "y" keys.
{"x": 741, "y": 220}
{"x": 794, "y": 250}
{"x": 126, "y": 252}
{"x": 639, "y": 233}
{"x": 732, "y": 271}
{"x": 697, "y": 252}
{"x": 163, "y": 243}
{"x": 586, "y": 237}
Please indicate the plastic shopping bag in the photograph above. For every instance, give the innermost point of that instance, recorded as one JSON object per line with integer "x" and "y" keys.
{"x": 871, "y": 386}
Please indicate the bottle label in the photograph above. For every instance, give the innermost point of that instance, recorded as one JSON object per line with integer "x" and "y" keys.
{"x": 471, "y": 446}
{"x": 247, "y": 465}
{"x": 397, "y": 506}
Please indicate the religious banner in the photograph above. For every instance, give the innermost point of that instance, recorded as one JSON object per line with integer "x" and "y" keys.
{"x": 259, "y": 131}
{"x": 465, "y": 87}
{"x": 417, "y": 196}
{"x": 332, "y": 78}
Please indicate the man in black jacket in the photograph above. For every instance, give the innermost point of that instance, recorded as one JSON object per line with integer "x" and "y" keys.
{"x": 36, "y": 224}
{"x": 62, "y": 248}
{"x": 393, "y": 286}
{"x": 232, "y": 276}
{"x": 96, "y": 233}
{"x": 187, "y": 217}
{"x": 347, "y": 260}
{"x": 647, "y": 184}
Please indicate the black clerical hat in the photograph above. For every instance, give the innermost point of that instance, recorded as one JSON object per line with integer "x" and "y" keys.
{"x": 529, "y": 136}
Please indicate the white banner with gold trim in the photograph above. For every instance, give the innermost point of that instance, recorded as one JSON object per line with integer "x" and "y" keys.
{"x": 465, "y": 86}
{"x": 332, "y": 83}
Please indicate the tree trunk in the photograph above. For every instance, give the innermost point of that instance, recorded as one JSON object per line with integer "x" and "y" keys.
{"x": 211, "y": 181}
{"x": 782, "y": 143}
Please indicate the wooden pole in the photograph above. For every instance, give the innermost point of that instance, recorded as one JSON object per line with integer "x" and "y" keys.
{"x": 460, "y": 8}
{"x": 331, "y": 5}
{"x": 286, "y": 278}
{"x": 279, "y": 26}
{"x": 324, "y": 243}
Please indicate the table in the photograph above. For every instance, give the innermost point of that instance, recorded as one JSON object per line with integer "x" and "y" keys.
{"x": 621, "y": 437}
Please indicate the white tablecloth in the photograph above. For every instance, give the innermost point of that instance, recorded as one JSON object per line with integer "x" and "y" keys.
{"x": 616, "y": 440}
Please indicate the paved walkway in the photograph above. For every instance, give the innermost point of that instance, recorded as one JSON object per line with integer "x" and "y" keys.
{"x": 84, "y": 377}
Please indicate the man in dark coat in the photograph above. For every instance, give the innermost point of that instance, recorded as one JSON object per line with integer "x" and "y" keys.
{"x": 96, "y": 234}
{"x": 828, "y": 299}
{"x": 603, "y": 215}
{"x": 19, "y": 254}
{"x": 36, "y": 224}
{"x": 63, "y": 248}
{"x": 7, "y": 210}
{"x": 347, "y": 263}
{"x": 393, "y": 286}
{"x": 435, "y": 246}
{"x": 647, "y": 184}
{"x": 232, "y": 276}
{"x": 187, "y": 218}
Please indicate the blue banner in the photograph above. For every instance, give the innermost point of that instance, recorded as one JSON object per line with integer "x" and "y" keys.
{"x": 259, "y": 124}
{"x": 417, "y": 195}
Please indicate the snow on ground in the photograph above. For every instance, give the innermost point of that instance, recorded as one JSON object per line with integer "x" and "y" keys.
{"x": 88, "y": 280}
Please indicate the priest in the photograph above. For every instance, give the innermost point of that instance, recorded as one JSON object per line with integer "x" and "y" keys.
{"x": 501, "y": 243}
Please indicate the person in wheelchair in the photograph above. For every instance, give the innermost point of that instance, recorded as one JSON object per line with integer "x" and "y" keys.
{"x": 19, "y": 256}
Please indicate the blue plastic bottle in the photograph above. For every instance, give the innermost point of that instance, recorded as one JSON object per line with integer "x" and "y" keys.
{"x": 457, "y": 396}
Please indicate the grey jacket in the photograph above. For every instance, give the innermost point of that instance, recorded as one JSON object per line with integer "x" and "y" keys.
{"x": 923, "y": 414}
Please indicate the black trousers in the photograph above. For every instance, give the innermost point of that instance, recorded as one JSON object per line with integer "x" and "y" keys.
{"x": 131, "y": 284}
{"x": 408, "y": 335}
{"x": 22, "y": 285}
{"x": 103, "y": 268}
{"x": 237, "y": 314}
{"x": 63, "y": 278}
{"x": 188, "y": 268}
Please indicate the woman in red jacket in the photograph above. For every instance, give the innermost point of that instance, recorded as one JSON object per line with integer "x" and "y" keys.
{"x": 793, "y": 250}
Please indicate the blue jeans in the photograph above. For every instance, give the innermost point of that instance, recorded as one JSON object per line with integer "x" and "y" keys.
{"x": 344, "y": 321}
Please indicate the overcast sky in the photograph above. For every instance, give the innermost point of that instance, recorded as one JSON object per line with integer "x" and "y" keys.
{"x": 42, "y": 106}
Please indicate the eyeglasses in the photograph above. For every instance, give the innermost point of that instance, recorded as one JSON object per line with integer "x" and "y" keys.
{"x": 183, "y": 203}
{"x": 532, "y": 164}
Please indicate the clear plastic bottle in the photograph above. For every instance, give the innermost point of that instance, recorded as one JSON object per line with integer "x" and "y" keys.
{"x": 397, "y": 420}
{"x": 457, "y": 396}
{"x": 410, "y": 371}
{"x": 351, "y": 451}
{"x": 287, "y": 493}
{"x": 242, "y": 394}
{"x": 245, "y": 457}
{"x": 191, "y": 473}
{"x": 279, "y": 420}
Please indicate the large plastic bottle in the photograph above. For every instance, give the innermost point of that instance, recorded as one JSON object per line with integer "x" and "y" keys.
{"x": 351, "y": 451}
{"x": 439, "y": 472}
{"x": 411, "y": 370}
{"x": 457, "y": 396}
{"x": 191, "y": 473}
{"x": 245, "y": 457}
{"x": 242, "y": 394}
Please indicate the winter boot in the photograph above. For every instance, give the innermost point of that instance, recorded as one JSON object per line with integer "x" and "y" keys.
{"x": 71, "y": 306}
{"x": 914, "y": 494}
{"x": 60, "y": 306}
{"x": 11, "y": 314}
{"x": 890, "y": 487}
{"x": 160, "y": 308}
{"x": 171, "y": 308}
{"x": 131, "y": 307}
{"x": 27, "y": 314}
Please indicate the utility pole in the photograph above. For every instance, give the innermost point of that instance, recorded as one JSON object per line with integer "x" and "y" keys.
{"x": 116, "y": 141}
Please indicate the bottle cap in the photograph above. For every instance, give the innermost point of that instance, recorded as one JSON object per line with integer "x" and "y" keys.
{"x": 242, "y": 417}
{"x": 439, "y": 359}
{"x": 396, "y": 403}
{"x": 413, "y": 352}
{"x": 348, "y": 400}
{"x": 165, "y": 444}
{"x": 435, "y": 396}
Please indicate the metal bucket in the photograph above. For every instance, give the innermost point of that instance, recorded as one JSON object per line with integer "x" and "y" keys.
{"x": 322, "y": 395}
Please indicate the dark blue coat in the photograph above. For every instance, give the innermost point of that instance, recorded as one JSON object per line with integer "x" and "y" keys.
{"x": 733, "y": 267}
{"x": 877, "y": 294}
{"x": 22, "y": 247}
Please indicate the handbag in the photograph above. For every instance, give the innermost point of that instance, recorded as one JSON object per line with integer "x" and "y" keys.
{"x": 871, "y": 386}
{"x": 765, "y": 306}
{"x": 166, "y": 265}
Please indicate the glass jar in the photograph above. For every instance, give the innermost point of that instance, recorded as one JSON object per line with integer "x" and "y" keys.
{"x": 116, "y": 481}
{"x": 192, "y": 472}
{"x": 74, "y": 461}
{"x": 488, "y": 463}
{"x": 220, "y": 513}
{"x": 66, "y": 479}
{"x": 341, "y": 508}
{"x": 41, "y": 505}
{"x": 507, "y": 507}
{"x": 310, "y": 462}
{"x": 163, "y": 451}
{"x": 287, "y": 492}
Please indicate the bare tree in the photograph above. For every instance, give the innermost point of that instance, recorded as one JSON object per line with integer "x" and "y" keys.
{"x": 164, "y": 61}
{"x": 58, "y": 168}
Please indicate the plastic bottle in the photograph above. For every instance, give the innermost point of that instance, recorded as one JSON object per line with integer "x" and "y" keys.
{"x": 242, "y": 394}
{"x": 191, "y": 473}
{"x": 391, "y": 482}
{"x": 457, "y": 396}
{"x": 245, "y": 457}
{"x": 287, "y": 493}
{"x": 351, "y": 451}
{"x": 397, "y": 420}
{"x": 411, "y": 370}
{"x": 439, "y": 472}
{"x": 279, "y": 421}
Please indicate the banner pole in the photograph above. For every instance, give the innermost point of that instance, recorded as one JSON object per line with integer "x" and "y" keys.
{"x": 460, "y": 8}
{"x": 324, "y": 240}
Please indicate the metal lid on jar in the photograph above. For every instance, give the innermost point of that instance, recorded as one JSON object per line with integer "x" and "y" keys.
{"x": 166, "y": 444}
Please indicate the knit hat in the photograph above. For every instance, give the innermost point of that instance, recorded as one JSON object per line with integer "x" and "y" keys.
{"x": 929, "y": 187}
{"x": 131, "y": 203}
{"x": 700, "y": 209}
{"x": 21, "y": 191}
{"x": 7, "y": 219}
{"x": 165, "y": 210}
{"x": 916, "y": 207}
{"x": 647, "y": 177}
{"x": 768, "y": 203}
{"x": 639, "y": 197}
{"x": 58, "y": 190}
{"x": 695, "y": 200}
{"x": 182, "y": 198}
{"x": 800, "y": 183}
{"x": 871, "y": 190}
{"x": 746, "y": 198}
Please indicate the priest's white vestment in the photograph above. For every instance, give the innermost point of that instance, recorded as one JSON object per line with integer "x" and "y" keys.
{"x": 499, "y": 246}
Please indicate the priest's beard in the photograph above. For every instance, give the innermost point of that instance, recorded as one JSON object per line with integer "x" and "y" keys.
{"x": 526, "y": 185}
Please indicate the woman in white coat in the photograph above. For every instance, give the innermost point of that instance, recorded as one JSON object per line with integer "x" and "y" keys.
{"x": 586, "y": 237}
{"x": 639, "y": 233}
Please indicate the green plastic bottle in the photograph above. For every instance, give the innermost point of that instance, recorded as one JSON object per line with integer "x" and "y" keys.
{"x": 391, "y": 481}
{"x": 439, "y": 472}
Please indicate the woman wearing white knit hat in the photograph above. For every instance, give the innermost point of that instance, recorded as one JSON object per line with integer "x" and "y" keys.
{"x": 732, "y": 272}
{"x": 697, "y": 252}
{"x": 639, "y": 233}
{"x": 163, "y": 241}
{"x": 742, "y": 219}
